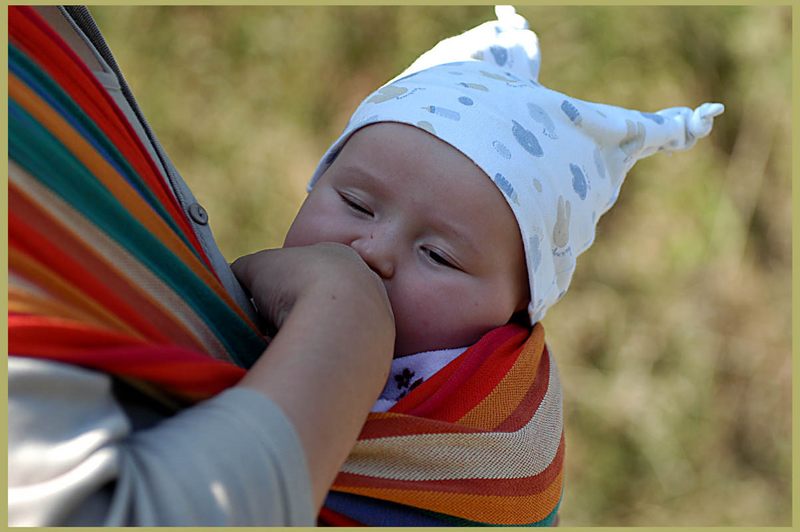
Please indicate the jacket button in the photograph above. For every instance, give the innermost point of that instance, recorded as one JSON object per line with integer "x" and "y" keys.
{"x": 198, "y": 213}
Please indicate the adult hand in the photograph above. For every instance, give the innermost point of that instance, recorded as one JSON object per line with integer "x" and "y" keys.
{"x": 278, "y": 278}
{"x": 331, "y": 355}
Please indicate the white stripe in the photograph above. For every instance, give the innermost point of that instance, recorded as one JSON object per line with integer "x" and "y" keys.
{"x": 496, "y": 455}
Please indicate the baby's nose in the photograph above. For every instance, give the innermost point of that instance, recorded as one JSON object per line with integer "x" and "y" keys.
{"x": 378, "y": 253}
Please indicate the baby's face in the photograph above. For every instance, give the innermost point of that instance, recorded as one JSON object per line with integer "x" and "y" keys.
{"x": 431, "y": 224}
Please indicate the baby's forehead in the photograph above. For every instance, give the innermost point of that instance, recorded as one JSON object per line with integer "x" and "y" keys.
{"x": 405, "y": 160}
{"x": 425, "y": 178}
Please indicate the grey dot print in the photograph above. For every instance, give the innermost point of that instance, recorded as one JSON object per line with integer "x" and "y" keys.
{"x": 526, "y": 139}
{"x": 658, "y": 119}
{"x": 500, "y": 54}
{"x": 579, "y": 184}
{"x": 539, "y": 114}
{"x": 501, "y": 149}
{"x": 572, "y": 112}
{"x": 506, "y": 187}
{"x": 443, "y": 112}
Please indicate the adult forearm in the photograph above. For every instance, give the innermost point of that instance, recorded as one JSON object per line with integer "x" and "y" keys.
{"x": 325, "y": 368}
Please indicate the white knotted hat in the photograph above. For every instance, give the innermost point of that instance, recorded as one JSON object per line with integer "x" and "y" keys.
{"x": 558, "y": 161}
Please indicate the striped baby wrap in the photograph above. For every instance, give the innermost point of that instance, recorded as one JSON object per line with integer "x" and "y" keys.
{"x": 106, "y": 272}
{"x": 102, "y": 260}
{"x": 479, "y": 443}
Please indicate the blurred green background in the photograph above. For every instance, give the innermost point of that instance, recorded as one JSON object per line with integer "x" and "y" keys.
{"x": 674, "y": 340}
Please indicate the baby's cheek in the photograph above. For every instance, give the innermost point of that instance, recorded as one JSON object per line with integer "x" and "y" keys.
{"x": 310, "y": 230}
{"x": 412, "y": 311}
{"x": 420, "y": 322}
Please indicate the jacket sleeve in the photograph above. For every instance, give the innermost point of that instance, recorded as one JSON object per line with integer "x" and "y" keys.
{"x": 74, "y": 459}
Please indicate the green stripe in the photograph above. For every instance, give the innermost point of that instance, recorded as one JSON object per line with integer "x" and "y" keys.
{"x": 60, "y": 171}
{"x": 76, "y": 113}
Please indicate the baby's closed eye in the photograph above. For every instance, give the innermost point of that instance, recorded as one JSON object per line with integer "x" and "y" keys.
{"x": 355, "y": 204}
{"x": 439, "y": 257}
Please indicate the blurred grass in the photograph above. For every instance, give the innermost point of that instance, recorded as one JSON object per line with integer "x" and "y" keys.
{"x": 674, "y": 340}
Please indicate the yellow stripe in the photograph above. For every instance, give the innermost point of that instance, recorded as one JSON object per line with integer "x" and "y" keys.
{"x": 123, "y": 263}
{"x": 29, "y": 303}
{"x": 115, "y": 183}
{"x": 441, "y": 456}
{"x": 63, "y": 291}
{"x": 511, "y": 390}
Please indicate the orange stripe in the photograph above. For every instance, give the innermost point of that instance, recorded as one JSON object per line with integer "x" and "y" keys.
{"x": 24, "y": 237}
{"x": 546, "y": 376}
{"x": 479, "y": 370}
{"x": 61, "y": 236}
{"x": 475, "y": 485}
{"x": 512, "y": 389}
{"x": 29, "y": 268}
{"x": 28, "y": 303}
{"x": 492, "y": 509}
{"x": 116, "y": 184}
{"x": 46, "y": 48}
{"x": 140, "y": 276}
{"x": 103, "y": 171}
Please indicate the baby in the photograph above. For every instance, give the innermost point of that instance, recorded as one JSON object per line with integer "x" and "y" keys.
{"x": 470, "y": 189}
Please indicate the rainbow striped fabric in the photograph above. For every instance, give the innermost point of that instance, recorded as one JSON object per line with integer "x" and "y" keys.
{"x": 479, "y": 443}
{"x": 102, "y": 260}
{"x": 105, "y": 272}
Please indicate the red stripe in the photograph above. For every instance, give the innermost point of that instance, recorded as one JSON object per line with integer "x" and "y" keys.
{"x": 37, "y": 245}
{"x": 60, "y": 61}
{"x": 172, "y": 368}
{"x": 527, "y": 408}
{"x": 328, "y": 517}
{"x": 31, "y": 329}
{"x": 40, "y": 220}
{"x": 491, "y": 373}
{"x": 448, "y": 373}
{"x": 477, "y": 486}
{"x": 379, "y": 426}
{"x": 482, "y": 366}
{"x": 68, "y": 69}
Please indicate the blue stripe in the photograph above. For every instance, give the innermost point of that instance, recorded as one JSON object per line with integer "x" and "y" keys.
{"x": 376, "y": 512}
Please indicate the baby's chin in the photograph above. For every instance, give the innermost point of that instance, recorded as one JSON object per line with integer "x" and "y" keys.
{"x": 405, "y": 346}
{"x": 411, "y": 343}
